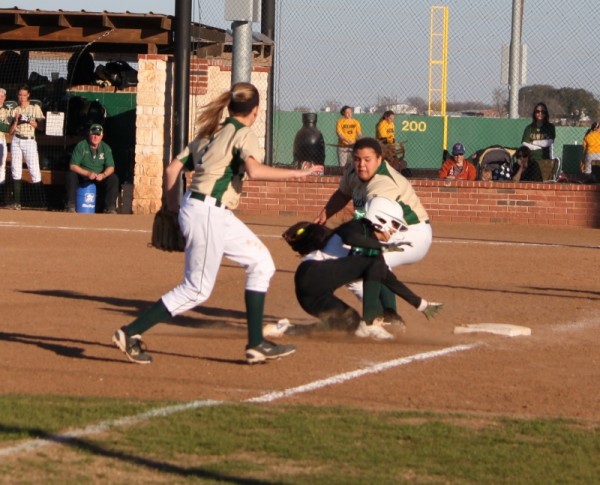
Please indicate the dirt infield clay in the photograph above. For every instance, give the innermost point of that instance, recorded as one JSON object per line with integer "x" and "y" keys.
{"x": 69, "y": 280}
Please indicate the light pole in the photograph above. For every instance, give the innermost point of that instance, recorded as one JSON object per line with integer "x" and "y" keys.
{"x": 242, "y": 13}
{"x": 515, "y": 58}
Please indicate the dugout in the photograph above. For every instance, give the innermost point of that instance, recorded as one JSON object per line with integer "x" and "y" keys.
{"x": 67, "y": 57}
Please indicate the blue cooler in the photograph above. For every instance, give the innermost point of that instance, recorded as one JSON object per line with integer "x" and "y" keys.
{"x": 86, "y": 198}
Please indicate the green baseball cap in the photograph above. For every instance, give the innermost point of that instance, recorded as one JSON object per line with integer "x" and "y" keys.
{"x": 96, "y": 129}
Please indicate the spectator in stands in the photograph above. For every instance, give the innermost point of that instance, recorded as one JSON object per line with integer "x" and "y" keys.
{"x": 539, "y": 135}
{"x": 5, "y": 122}
{"x": 386, "y": 129}
{"x": 348, "y": 131}
{"x": 457, "y": 168}
{"x": 525, "y": 169}
{"x": 27, "y": 118}
{"x": 486, "y": 175}
{"x": 591, "y": 151}
{"x": 92, "y": 160}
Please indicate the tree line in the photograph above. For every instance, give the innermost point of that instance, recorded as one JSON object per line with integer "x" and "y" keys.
{"x": 575, "y": 106}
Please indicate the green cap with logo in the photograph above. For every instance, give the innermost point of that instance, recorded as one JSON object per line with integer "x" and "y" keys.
{"x": 96, "y": 129}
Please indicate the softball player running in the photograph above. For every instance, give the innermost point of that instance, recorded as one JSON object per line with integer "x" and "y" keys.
{"x": 27, "y": 118}
{"x": 220, "y": 156}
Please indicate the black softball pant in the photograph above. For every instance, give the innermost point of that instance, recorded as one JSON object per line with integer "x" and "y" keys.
{"x": 316, "y": 282}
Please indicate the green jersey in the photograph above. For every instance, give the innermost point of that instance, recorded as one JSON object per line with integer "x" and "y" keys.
{"x": 93, "y": 160}
{"x": 533, "y": 133}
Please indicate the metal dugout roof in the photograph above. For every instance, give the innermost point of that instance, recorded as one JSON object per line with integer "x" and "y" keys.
{"x": 109, "y": 31}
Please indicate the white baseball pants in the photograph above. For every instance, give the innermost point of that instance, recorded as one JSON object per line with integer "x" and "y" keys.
{"x": 25, "y": 149}
{"x": 419, "y": 235}
{"x": 212, "y": 232}
{"x": 3, "y": 153}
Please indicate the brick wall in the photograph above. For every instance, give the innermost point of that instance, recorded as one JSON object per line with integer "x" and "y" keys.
{"x": 478, "y": 202}
{"x": 152, "y": 134}
{"x": 208, "y": 78}
{"x": 198, "y": 76}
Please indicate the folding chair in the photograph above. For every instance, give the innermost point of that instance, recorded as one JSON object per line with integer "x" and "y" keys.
{"x": 595, "y": 178}
{"x": 550, "y": 169}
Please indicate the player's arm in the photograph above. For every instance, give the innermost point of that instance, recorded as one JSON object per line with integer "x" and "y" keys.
{"x": 15, "y": 122}
{"x": 37, "y": 120}
{"x": 171, "y": 184}
{"x": 259, "y": 171}
{"x": 357, "y": 233}
{"x": 336, "y": 203}
{"x": 4, "y": 121}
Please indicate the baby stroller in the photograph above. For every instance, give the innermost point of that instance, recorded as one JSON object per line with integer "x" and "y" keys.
{"x": 393, "y": 153}
{"x": 497, "y": 159}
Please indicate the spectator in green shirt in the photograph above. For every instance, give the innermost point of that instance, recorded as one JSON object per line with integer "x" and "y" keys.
{"x": 540, "y": 134}
{"x": 92, "y": 160}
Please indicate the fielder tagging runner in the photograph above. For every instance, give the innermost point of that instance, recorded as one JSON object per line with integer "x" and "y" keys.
{"x": 370, "y": 176}
{"x": 220, "y": 156}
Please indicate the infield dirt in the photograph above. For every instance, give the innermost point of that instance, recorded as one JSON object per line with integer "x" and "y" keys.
{"x": 69, "y": 280}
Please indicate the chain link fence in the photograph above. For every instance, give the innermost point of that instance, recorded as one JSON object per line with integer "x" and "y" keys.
{"x": 376, "y": 56}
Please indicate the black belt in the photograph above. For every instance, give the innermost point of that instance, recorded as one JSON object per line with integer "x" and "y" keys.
{"x": 356, "y": 251}
{"x": 21, "y": 137}
{"x": 202, "y": 197}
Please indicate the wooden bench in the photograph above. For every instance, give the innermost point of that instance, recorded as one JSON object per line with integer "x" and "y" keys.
{"x": 49, "y": 177}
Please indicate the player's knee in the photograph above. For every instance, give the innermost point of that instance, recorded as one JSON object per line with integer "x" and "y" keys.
{"x": 258, "y": 276}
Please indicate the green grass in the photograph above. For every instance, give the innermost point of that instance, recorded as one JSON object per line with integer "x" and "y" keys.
{"x": 298, "y": 445}
{"x": 23, "y": 417}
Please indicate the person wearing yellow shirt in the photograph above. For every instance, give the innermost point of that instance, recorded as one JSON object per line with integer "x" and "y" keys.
{"x": 348, "y": 131}
{"x": 591, "y": 150}
{"x": 386, "y": 129}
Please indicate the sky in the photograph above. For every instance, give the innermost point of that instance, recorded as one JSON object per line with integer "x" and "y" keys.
{"x": 133, "y": 6}
{"x": 360, "y": 51}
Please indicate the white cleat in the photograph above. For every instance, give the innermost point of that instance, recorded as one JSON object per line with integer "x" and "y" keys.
{"x": 374, "y": 331}
{"x": 276, "y": 330}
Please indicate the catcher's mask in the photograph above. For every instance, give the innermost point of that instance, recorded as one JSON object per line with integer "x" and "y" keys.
{"x": 385, "y": 215}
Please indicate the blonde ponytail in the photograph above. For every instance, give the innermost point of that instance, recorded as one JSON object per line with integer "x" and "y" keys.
{"x": 240, "y": 100}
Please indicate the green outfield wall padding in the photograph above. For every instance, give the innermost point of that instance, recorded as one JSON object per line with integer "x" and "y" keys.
{"x": 423, "y": 137}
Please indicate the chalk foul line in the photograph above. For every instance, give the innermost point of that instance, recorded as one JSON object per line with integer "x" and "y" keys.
{"x": 373, "y": 369}
{"x": 30, "y": 445}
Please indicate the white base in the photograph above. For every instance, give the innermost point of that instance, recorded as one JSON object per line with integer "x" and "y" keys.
{"x": 495, "y": 328}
